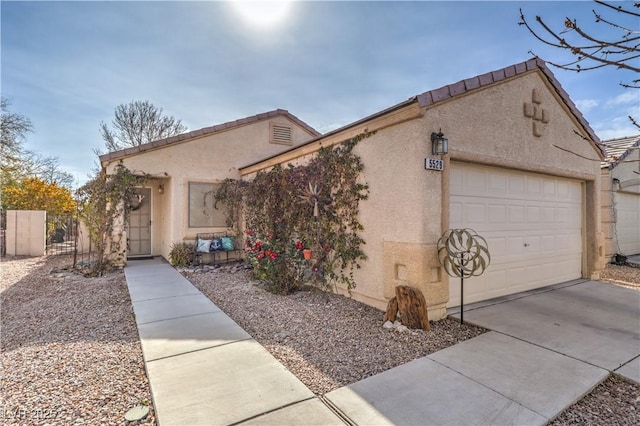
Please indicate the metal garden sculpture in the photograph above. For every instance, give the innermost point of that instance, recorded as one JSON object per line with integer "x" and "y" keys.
{"x": 463, "y": 253}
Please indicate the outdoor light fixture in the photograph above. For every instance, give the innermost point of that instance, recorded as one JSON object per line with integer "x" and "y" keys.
{"x": 439, "y": 144}
{"x": 161, "y": 189}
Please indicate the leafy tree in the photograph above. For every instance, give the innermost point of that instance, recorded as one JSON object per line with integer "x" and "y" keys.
{"x": 618, "y": 46}
{"x": 136, "y": 123}
{"x": 35, "y": 194}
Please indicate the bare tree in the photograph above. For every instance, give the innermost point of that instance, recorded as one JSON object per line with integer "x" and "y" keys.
{"x": 589, "y": 51}
{"x": 13, "y": 130}
{"x": 17, "y": 163}
{"x": 136, "y": 123}
{"x": 47, "y": 169}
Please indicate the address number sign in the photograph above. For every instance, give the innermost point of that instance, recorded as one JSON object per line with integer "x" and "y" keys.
{"x": 433, "y": 164}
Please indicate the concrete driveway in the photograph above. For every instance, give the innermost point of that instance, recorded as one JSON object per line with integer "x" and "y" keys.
{"x": 591, "y": 321}
{"x": 546, "y": 350}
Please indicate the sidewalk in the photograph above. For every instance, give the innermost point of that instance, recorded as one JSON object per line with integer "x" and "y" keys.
{"x": 204, "y": 369}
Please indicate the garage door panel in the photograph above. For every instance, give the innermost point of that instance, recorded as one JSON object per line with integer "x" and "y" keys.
{"x": 532, "y": 225}
{"x": 628, "y": 222}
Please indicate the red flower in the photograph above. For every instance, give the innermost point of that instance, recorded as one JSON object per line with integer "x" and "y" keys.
{"x": 251, "y": 232}
{"x": 271, "y": 236}
{"x": 299, "y": 245}
{"x": 274, "y": 255}
{"x": 260, "y": 255}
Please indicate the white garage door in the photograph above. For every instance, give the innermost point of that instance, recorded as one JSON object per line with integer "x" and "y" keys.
{"x": 628, "y": 222}
{"x": 532, "y": 224}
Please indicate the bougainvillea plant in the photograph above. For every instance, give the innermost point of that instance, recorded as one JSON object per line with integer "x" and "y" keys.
{"x": 289, "y": 209}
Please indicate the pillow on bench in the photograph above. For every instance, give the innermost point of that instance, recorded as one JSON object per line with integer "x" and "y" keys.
{"x": 203, "y": 246}
{"x": 227, "y": 244}
{"x": 216, "y": 245}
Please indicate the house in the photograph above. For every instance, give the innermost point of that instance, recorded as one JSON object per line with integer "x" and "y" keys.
{"x": 178, "y": 202}
{"x": 621, "y": 196}
{"x": 522, "y": 170}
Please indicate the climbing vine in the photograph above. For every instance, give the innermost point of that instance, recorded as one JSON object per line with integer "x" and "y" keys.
{"x": 105, "y": 203}
{"x": 289, "y": 209}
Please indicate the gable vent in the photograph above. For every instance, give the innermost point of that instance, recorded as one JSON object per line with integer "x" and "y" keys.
{"x": 281, "y": 134}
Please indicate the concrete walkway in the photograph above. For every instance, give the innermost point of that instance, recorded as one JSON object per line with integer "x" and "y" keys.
{"x": 549, "y": 348}
{"x": 203, "y": 368}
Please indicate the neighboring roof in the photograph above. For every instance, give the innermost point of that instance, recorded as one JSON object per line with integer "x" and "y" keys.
{"x": 450, "y": 91}
{"x": 618, "y": 149}
{"x": 205, "y": 132}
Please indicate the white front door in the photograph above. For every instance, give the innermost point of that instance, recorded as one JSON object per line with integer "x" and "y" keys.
{"x": 531, "y": 222}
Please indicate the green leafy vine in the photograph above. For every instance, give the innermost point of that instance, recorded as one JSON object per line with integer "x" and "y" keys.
{"x": 314, "y": 206}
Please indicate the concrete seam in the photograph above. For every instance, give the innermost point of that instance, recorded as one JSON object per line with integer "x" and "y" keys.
{"x": 271, "y": 411}
{"x": 180, "y": 317}
{"x": 199, "y": 350}
{"x": 492, "y": 390}
{"x": 336, "y": 411}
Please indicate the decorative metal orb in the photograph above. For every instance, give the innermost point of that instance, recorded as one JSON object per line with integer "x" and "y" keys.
{"x": 463, "y": 253}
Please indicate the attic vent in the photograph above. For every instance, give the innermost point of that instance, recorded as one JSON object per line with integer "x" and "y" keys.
{"x": 280, "y": 134}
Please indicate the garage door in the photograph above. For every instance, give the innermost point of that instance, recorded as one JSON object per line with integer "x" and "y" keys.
{"x": 532, "y": 224}
{"x": 628, "y": 222}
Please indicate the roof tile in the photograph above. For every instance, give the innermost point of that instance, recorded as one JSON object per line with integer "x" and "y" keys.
{"x": 497, "y": 75}
{"x": 472, "y": 83}
{"x": 425, "y": 99}
{"x": 440, "y": 94}
{"x": 510, "y": 71}
{"x": 457, "y": 88}
{"x": 618, "y": 149}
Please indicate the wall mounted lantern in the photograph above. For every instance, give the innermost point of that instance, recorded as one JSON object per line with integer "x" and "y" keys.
{"x": 439, "y": 144}
{"x": 161, "y": 188}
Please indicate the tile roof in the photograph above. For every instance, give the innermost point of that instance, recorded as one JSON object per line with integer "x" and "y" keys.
{"x": 452, "y": 90}
{"x": 618, "y": 149}
{"x": 206, "y": 131}
{"x": 447, "y": 92}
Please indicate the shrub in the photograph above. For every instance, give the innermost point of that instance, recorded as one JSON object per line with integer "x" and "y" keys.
{"x": 181, "y": 254}
{"x": 315, "y": 204}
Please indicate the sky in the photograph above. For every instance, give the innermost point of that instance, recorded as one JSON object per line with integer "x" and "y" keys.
{"x": 67, "y": 65}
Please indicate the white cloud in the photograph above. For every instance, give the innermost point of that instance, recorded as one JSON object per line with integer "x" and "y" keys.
{"x": 631, "y": 96}
{"x": 615, "y": 128}
{"x": 585, "y": 105}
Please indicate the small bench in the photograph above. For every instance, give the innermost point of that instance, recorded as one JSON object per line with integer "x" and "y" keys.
{"x": 215, "y": 247}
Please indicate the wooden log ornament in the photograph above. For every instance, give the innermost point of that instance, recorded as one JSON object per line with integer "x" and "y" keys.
{"x": 410, "y": 307}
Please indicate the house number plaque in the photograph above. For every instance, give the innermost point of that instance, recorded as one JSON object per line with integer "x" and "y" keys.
{"x": 433, "y": 164}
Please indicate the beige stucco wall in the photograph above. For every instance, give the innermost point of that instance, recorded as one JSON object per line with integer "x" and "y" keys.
{"x": 624, "y": 178}
{"x": 628, "y": 172}
{"x": 211, "y": 158}
{"x": 408, "y": 208}
{"x": 26, "y": 232}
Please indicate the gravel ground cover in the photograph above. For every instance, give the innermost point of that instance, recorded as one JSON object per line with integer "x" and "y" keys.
{"x": 326, "y": 340}
{"x": 69, "y": 346}
{"x": 70, "y": 351}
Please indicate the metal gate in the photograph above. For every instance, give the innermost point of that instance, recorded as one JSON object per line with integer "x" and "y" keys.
{"x": 62, "y": 234}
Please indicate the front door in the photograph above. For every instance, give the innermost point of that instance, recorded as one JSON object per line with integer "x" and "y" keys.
{"x": 139, "y": 229}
